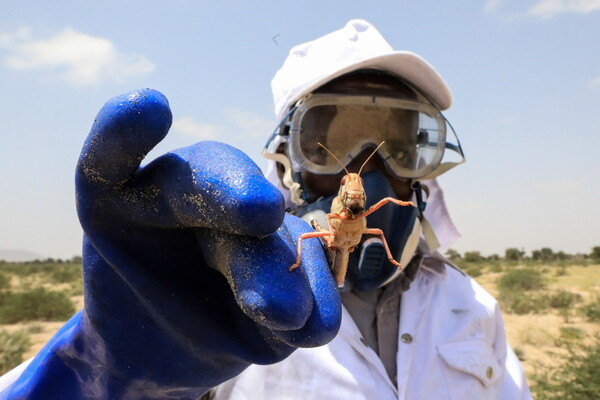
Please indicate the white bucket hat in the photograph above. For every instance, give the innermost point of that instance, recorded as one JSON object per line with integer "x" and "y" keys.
{"x": 358, "y": 45}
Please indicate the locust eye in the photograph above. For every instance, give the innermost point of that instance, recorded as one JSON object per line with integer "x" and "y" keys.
{"x": 343, "y": 180}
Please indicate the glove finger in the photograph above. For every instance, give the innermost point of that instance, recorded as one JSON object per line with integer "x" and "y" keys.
{"x": 324, "y": 321}
{"x": 211, "y": 185}
{"x": 125, "y": 130}
{"x": 257, "y": 271}
{"x": 301, "y": 307}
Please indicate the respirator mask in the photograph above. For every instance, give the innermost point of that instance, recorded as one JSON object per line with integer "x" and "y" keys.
{"x": 368, "y": 265}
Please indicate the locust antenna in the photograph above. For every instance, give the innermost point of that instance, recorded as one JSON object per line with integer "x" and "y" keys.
{"x": 333, "y": 155}
{"x": 368, "y": 158}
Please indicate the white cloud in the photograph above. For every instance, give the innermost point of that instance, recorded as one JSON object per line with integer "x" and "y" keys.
{"x": 79, "y": 58}
{"x": 543, "y": 9}
{"x": 492, "y": 5}
{"x": 250, "y": 124}
{"x": 10, "y": 39}
{"x": 551, "y": 8}
{"x": 188, "y": 126}
{"x": 595, "y": 81}
{"x": 240, "y": 125}
{"x": 508, "y": 10}
{"x": 564, "y": 187}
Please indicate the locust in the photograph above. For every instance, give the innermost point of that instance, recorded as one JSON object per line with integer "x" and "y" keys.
{"x": 346, "y": 223}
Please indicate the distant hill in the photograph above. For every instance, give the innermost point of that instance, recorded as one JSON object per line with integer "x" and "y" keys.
{"x": 19, "y": 255}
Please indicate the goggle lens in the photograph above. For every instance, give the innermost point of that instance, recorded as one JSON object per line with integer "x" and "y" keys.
{"x": 414, "y": 134}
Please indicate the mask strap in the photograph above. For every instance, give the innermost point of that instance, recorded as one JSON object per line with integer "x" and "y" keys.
{"x": 296, "y": 195}
{"x": 430, "y": 237}
{"x": 287, "y": 180}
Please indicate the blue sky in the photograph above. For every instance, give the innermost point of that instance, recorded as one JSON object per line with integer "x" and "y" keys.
{"x": 525, "y": 77}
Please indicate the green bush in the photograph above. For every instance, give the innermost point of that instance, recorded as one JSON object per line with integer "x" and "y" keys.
{"x": 592, "y": 310}
{"x": 521, "y": 279}
{"x": 4, "y": 281}
{"x": 453, "y": 255}
{"x": 571, "y": 333}
{"x": 496, "y": 267}
{"x": 577, "y": 379}
{"x": 473, "y": 256}
{"x": 66, "y": 273}
{"x": 25, "y": 269}
{"x": 513, "y": 254}
{"x": 595, "y": 254}
{"x": 12, "y": 348}
{"x": 563, "y": 299}
{"x": 522, "y": 302}
{"x": 473, "y": 270}
{"x": 36, "y": 304}
{"x": 525, "y": 301}
{"x": 36, "y": 274}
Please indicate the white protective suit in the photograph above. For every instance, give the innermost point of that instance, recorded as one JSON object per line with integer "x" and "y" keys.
{"x": 451, "y": 346}
{"x": 451, "y": 341}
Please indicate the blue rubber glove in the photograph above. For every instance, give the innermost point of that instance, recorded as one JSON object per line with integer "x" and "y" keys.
{"x": 185, "y": 267}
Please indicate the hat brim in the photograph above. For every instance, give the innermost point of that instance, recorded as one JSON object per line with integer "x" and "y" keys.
{"x": 405, "y": 64}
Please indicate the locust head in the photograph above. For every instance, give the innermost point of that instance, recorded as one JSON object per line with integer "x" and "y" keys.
{"x": 352, "y": 193}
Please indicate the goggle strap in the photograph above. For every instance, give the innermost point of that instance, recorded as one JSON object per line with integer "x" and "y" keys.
{"x": 278, "y": 129}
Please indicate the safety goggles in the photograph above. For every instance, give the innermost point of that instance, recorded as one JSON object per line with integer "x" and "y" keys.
{"x": 415, "y": 134}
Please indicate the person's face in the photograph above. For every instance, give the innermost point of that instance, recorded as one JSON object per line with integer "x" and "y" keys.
{"x": 361, "y": 84}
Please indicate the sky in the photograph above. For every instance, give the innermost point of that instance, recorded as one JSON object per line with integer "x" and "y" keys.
{"x": 524, "y": 74}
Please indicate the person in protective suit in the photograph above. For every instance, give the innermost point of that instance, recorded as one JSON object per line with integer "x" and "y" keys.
{"x": 427, "y": 331}
{"x": 186, "y": 260}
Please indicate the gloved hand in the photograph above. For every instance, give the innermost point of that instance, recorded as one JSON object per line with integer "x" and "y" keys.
{"x": 185, "y": 263}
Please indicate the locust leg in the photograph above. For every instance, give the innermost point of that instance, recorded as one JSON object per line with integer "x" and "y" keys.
{"x": 379, "y": 232}
{"x": 307, "y": 235}
{"x": 383, "y": 202}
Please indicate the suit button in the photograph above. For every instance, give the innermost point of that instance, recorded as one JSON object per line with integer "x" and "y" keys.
{"x": 406, "y": 338}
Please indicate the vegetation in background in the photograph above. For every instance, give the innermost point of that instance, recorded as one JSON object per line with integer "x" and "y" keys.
{"x": 12, "y": 348}
{"x": 513, "y": 255}
{"x": 34, "y": 291}
{"x": 49, "y": 272}
{"x": 523, "y": 282}
{"x": 38, "y": 304}
{"x": 4, "y": 281}
{"x": 521, "y": 279}
{"x": 41, "y": 290}
{"x": 576, "y": 379}
{"x": 592, "y": 310}
{"x": 595, "y": 254}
